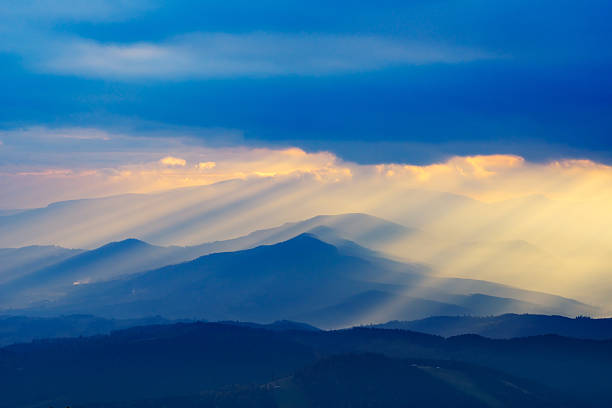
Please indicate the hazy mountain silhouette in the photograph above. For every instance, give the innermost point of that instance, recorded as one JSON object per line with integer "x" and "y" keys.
{"x": 480, "y": 239}
{"x": 508, "y": 326}
{"x": 356, "y": 309}
{"x": 131, "y": 256}
{"x": 301, "y": 279}
{"x": 51, "y": 277}
{"x": 340, "y": 230}
{"x": 186, "y": 359}
{"x": 183, "y": 216}
{"x": 107, "y": 262}
{"x": 19, "y": 262}
{"x": 255, "y": 284}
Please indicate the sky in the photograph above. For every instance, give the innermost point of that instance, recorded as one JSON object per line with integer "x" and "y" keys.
{"x": 331, "y": 106}
{"x": 391, "y": 81}
{"x": 102, "y": 86}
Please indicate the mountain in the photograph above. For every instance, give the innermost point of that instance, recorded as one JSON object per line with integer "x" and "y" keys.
{"x": 107, "y": 262}
{"x": 185, "y": 359}
{"x": 302, "y": 279}
{"x": 366, "y": 230}
{"x": 342, "y": 230}
{"x": 51, "y": 277}
{"x": 508, "y": 326}
{"x": 454, "y": 235}
{"x": 362, "y": 307}
{"x": 19, "y": 262}
{"x": 256, "y": 284}
{"x": 185, "y": 216}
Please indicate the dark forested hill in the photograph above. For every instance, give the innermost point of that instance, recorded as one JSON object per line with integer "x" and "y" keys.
{"x": 371, "y": 380}
{"x": 185, "y": 359}
{"x": 21, "y": 329}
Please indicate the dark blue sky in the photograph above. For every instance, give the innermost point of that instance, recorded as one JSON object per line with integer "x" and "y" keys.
{"x": 402, "y": 81}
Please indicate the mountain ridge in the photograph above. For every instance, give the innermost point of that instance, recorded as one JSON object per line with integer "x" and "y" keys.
{"x": 508, "y": 326}
{"x": 288, "y": 280}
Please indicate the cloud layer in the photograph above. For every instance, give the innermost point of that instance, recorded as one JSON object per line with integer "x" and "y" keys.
{"x": 497, "y": 217}
{"x": 223, "y": 55}
{"x": 76, "y": 163}
{"x": 201, "y": 54}
{"x": 517, "y": 77}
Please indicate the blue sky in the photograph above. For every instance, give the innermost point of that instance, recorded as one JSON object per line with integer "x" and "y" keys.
{"x": 387, "y": 81}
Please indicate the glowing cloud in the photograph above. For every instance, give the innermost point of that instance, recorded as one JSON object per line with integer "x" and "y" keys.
{"x": 207, "y": 165}
{"x": 173, "y": 161}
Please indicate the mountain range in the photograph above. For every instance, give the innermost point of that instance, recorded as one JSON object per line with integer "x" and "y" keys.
{"x": 303, "y": 279}
{"x": 37, "y": 268}
{"x": 144, "y": 307}
{"x": 453, "y": 234}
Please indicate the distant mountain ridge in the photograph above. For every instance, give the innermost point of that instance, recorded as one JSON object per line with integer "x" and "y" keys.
{"x": 57, "y": 273}
{"x": 495, "y": 245}
{"x": 183, "y": 216}
{"x": 302, "y": 279}
{"x": 24, "y": 329}
{"x": 19, "y": 262}
{"x": 104, "y": 263}
{"x": 508, "y": 326}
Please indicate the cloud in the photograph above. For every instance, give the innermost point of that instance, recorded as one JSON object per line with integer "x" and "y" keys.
{"x": 43, "y": 165}
{"x": 223, "y": 55}
{"x": 207, "y": 165}
{"x": 113, "y": 163}
{"x": 173, "y": 161}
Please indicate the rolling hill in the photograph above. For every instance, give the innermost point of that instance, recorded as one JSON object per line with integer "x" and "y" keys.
{"x": 195, "y": 359}
{"x": 373, "y": 380}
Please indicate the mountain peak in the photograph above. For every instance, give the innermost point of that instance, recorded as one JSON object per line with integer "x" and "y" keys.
{"x": 306, "y": 242}
{"x": 128, "y": 243}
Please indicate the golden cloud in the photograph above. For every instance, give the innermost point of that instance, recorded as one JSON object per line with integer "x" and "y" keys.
{"x": 206, "y": 165}
{"x": 488, "y": 178}
{"x": 173, "y": 161}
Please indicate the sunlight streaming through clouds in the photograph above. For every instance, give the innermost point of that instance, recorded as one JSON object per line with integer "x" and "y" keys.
{"x": 495, "y": 217}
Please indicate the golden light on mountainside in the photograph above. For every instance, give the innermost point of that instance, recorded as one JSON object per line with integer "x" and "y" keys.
{"x": 499, "y": 217}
